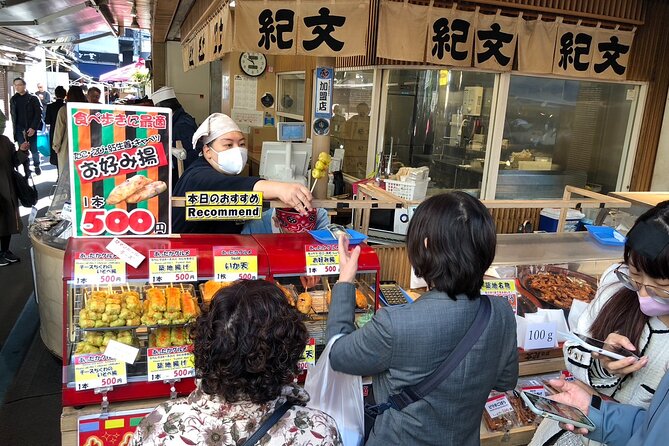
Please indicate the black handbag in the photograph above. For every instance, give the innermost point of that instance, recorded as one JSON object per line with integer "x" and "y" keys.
{"x": 267, "y": 425}
{"x": 414, "y": 393}
{"x": 26, "y": 193}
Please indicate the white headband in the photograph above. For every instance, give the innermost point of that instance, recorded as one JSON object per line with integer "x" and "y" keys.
{"x": 217, "y": 124}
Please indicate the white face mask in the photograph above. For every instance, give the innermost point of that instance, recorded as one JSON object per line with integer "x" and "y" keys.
{"x": 233, "y": 160}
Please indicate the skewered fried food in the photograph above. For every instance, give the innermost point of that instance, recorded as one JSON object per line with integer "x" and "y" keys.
{"x": 360, "y": 299}
{"x": 173, "y": 296}
{"x": 178, "y": 336}
{"x": 288, "y": 293}
{"x": 304, "y": 301}
{"x": 163, "y": 337}
{"x": 156, "y": 299}
{"x": 126, "y": 189}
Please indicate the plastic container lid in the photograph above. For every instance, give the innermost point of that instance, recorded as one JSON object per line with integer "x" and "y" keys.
{"x": 606, "y": 235}
{"x": 324, "y": 236}
{"x": 554, "y": 213}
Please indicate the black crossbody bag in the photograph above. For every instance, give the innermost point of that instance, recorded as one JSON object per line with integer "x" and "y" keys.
{"x": 414, "y": 393}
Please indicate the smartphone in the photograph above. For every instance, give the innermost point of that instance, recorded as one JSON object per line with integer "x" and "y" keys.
{"x": 605, "y": 349}
{"x": 337, "y": 230}
{"x": 557, "y": 411}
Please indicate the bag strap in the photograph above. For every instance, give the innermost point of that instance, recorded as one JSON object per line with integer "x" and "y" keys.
{"x": 267, "y": 425}
{"x": 414, "y": 393}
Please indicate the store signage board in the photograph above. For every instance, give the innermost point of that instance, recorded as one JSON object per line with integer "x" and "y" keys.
{"x": 220, "y": 206}
{"x": 498, "y": 405}
{"x": 170, "y": 363}
{"x": 98, "y": 268}
{"x": 97, "y": 370}
{"x": 323, "y": 96}
{"x": 322, "y": 260}
{"x": 172, "y": 265}
{"x": 234, "y": 263}
{"x": 505, "y": 288}
{"x": 308, "y": 358}
{"x": 120, "y": 170}
{"x": 115, "y": 429}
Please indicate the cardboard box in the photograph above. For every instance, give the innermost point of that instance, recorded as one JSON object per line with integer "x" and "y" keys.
{"x": 258, "y": 135}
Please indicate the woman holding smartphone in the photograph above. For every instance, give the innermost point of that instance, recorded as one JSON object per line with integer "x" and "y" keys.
{"x": 450, "y": 243}
{"x": 631, "y": 311}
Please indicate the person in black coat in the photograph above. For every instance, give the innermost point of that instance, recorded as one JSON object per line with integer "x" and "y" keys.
{"x": 50, "y": 119}
{"x": 10, "y": 220}
{"x": 26, "y": 112}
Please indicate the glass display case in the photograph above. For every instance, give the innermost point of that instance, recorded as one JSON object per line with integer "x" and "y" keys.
{"x": 126, "y": 329}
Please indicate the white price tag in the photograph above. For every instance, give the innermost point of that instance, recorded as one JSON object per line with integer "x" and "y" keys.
{"x": 96, "y": 370}
{"x": 122, "y": 352}
{"x": 536, "y": 390}
{"x": 498, "y": 405}
{"x": 540, "y": 336}
{"x": 322, "y": 260}
{"x": 125, "y": 252}
{"x": 170, "y": 363}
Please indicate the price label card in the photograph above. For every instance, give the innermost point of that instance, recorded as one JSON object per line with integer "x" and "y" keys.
{"x": 97, "y": 370}
{"x": 171, "y": 363}
{"x": 308, "y": 357}
{"x": 322, "y": 260}
{"x": 234, "y": 263}
{"x": 498, "y": 405}
{"x": 537, "y": 390}
{"x": 539, "y": 336}
{"x": 503, "y": 288}
{"x": 172, "y": 265}
{"x": 98, "y": 268}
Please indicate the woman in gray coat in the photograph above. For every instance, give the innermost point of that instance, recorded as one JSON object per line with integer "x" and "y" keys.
{"x": 450, "y": 243}
{"x": 10, "y": 220}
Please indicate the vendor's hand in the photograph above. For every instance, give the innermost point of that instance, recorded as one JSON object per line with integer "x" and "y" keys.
{"x": 572, "y": 394}
{"x": 621, "y": 367}
{"x": 30, "y": 132}
{"x": 309, "y": 281}
{"x": 296, "y": 196}
{"x": 348, "y": 260}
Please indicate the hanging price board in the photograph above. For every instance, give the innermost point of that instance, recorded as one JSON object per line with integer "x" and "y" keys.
{"x": 97, "y": 370}
{"x": 171, "y": 363}
{"x": 234, "y": 263}
{"x": 322, "y": 260}
{"x": 172, "y": 265}
{"x": 308, "y": 357}
{"x": 98, "y": 268}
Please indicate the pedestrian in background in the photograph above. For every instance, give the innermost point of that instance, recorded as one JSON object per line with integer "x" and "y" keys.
{"x": 26, "y": 112}
{"x": 60, "y": 144}
{"x": 10, "y": 219}
{"x": 50, "y": 119}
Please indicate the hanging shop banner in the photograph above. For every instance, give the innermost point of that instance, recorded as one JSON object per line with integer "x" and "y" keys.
{"x": 323, "y": 96}
{"x": 220, "y": 34}
{"x": 450, "y": 37}
{"x": 335, "y": 29}
{"x": 268, "y": 28}
{"x": 611, "y": 52}
{"x": 187, "y": 56}
{"x": 573, "y": 50}
{"x": 536, "y": 43}
{"x": 201, "y": 40}
{"x": 495, "y": 42}
{"x": 119, "y": 169}
{"x": 395, "y": 45}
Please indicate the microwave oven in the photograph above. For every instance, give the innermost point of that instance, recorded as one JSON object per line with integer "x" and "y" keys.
{"x": 390, "y": 223}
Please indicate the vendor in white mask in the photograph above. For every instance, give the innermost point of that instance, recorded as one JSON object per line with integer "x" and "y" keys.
{"x": 223, "y": 157}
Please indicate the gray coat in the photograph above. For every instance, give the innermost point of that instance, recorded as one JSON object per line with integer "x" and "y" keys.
{"x": 404, "y": 344}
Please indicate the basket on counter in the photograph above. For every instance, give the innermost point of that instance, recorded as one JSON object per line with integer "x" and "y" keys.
{"x": 408, "y": 190}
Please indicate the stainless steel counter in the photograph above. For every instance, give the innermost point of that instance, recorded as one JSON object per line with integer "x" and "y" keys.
{"x": 577, "y": 249}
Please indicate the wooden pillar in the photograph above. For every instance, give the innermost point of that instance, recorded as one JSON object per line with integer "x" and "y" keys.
{"x": 320, "y": 143}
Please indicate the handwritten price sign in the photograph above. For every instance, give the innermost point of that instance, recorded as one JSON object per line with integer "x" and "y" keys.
{"x": 322, "y": 260}
{"x": 171, "y": 363}
{"x": 95, "y": 268}
{"x": 97, "y": 370}
{"x": 231, "y": 263}
{"x": 172, "y": 265}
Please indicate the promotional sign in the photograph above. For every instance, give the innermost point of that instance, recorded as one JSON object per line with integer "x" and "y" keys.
{"x": 97, "y": 370}
{"x": 172, "y": 265}
{"x": 308, "y": 357}
{"x": 322, "y": 260}
{"x": 170, "y": 363}
{"x": 323, "y": 96}
{"x": 235, "y": 263}
{"x": 120, "y": 169}
{"x": 206, "y": 206}
{"x": 98, "y": 268}
{"x": 505, "y": 288}
{"x": 116, "y": 429}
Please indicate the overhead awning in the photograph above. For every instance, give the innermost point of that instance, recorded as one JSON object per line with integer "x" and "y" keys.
{"x": 122, "y": 74}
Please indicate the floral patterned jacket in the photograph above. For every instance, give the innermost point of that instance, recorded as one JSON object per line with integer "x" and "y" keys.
{"x": 202, "y": 419}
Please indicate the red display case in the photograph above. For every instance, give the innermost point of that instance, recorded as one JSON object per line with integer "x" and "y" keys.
{"x": 280, "y": 258}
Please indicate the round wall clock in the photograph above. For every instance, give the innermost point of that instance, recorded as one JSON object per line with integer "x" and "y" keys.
{"x": 253, "y": 64}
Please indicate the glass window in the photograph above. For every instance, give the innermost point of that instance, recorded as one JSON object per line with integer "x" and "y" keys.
{"x": 352, "y": 100}
{"x": 560, "y": 132}
{"x": 440, "y": 119}
{"x": 290, "y": 100}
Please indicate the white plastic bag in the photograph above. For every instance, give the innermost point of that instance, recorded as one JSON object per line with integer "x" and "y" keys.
{"x": 338, "y": 395}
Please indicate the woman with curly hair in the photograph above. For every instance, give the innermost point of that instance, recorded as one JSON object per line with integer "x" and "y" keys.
{"x": 246, "y": 349}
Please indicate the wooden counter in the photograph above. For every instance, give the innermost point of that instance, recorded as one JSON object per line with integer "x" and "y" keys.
{"x": 647, "y": 199}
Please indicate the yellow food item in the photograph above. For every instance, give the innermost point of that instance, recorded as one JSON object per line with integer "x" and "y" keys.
{"x": 360, "y": 299}
{"x": 100, "y": 324}
{"x": 113, "y": 308}
{"x": 287, "y": 293}
{"x": 163, "y": 337}
{"x": 210, "y": 288}
{"x": 320, "y": 165}
{"x": 96, "y": 305}
{"x": 304, "y": 302}
{"x": 188, "y": 306}
{"x": 324, "y": 157}
{"x": 117, "y": 323}
{"x": 178, "y": 336}
{"x": 133, "y": 322}
{"x": 157, "y": 299}
{"x": 173, "y": 296}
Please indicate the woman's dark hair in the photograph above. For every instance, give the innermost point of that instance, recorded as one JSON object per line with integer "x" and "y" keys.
{"x": 248, "y": 343}
{"x": 461, "y": 243}
{"x": 76, "y": 94}
{"x": 622, "y": 313}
